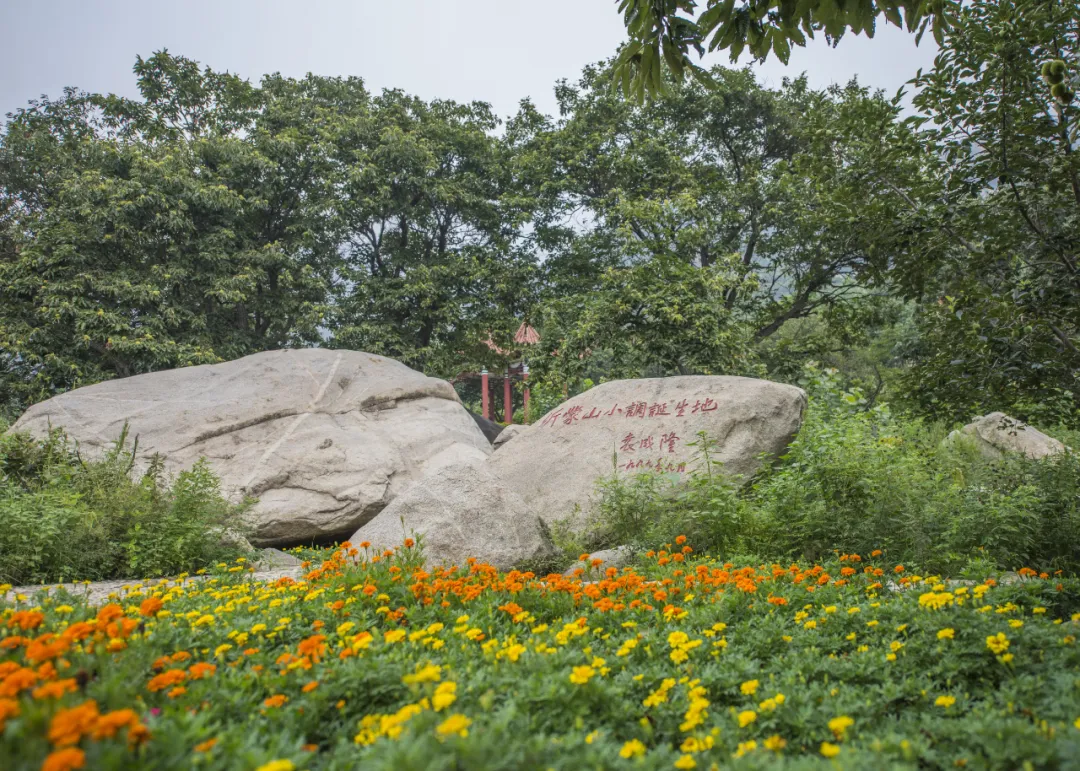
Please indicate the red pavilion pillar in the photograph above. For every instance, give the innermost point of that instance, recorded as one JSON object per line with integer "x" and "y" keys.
{"x": 525, "y": 380}
{"x": 485, "y": 397}
{"x": 508, "y": 398}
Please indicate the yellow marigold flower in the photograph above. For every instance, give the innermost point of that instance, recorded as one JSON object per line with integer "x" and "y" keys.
{"x": 745, "y": 747}
{"x": 582, "y": 674}
{"x": 676, "y": 639}
{"x": 746, "y": 717}
{"x": 431, "y": 673}
{"x": 997, "y": 643}
{"x": 455, "y": 724}
{"x": 895, "y": 646}
{"x": 946, "y": 634}
{"x": 829, "y": 750}
{"x": 445, "y": 695}
{"x": 394, "y": 635}
{"x": 944, "y": 701}
{"x": 686, "y": 762}
{"x": 749, "y": 688}
{"x": 840, "y": 725}
{"x": 277, "y": 765}
{"x": 632, "y": 749}
{"x": 775, "y": 743}
{"x": 1016, "y": 623}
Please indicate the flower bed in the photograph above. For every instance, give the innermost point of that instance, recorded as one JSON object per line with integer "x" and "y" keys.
{"x": 685, "y": 663}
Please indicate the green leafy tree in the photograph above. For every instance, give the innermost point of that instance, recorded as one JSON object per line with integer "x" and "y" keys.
{"x": 991, "y": 233}
{"x": 755, "y": 201}
{"x": 188, "y": 226}
{"x": 436, "y": 260}
{"x": 664, "y": 32}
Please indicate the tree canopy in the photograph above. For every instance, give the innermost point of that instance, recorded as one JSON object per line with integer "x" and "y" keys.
{"x": 720, "y": 227}
{"x": 663, "y": 33}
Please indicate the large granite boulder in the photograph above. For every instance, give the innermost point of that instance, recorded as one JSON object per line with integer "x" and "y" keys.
{"x": 460, "y": 512}
{"x": 630, "y": 427}
{"x": 506, "y": 435}
{"x": 325, "y": 439}
{"x": 996, "y": 434}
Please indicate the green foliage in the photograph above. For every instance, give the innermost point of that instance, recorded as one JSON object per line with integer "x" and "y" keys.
{"x": 992, "y": 224}
{"x": 63, "y": 518}
{"x": 432, "y": 227}
{"x": 684, "y": 233}
{"x": 662, "y": 32}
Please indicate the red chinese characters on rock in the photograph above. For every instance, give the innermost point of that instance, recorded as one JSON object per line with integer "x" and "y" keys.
{"x": 633, "y": 443}
{"x": 660, "y": 466}
{"x": 635, "y": 410}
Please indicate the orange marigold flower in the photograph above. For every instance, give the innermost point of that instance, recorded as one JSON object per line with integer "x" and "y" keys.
{"x": 26, "y": 619}
{"x": 898, "y": 569}
{"x": 8, "y": 708}
{"x": 64, "y": 760}
{"x": 313, "y": 646}
{"x": 80, "y": 630}
{"x": 150, "y": 606}
{"x": 181, "y": 656}
{"x": 56, "y": 689}
{"x": 207, "y": 745}
{"x": 165, "y": 679}
{"x": 46, "y": 647}
{"x": 201, "y": 670}
{"x": 177, "y": 692}
{"x": 137, "y": 734}
{"x": 110, "y": 612}
{"x": 68, "y": 726}
{"x": 17, "y": 681}
{"x": 109, "y": 724}
{"x": 309, "y": 687}
{"x": 409, "y": 543}
{"x": 275, "y": 701}
{"x": 680, "y": 539}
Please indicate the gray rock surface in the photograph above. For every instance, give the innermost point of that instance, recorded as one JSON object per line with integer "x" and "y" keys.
{"x": 507, "y": 434}
{"x": 996, "y": 434}
{"x": 619, "y": 557}
{"x": 630, "y": 427}
{"x": 324, "y": 438}
{"x": 460, "y": 512}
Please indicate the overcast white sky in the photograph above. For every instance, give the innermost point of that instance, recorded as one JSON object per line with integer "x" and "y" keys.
{"x": 497, "y": 51}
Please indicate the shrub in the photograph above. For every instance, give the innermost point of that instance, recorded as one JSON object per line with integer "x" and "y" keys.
{"x": 855, "y": 481}
{"x": 66, "y": 518}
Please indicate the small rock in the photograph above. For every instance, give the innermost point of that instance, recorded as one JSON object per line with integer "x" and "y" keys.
{"x": 619, "y": 557}
{"x": 996, "y": 434}
{"x": 507, "y": 434}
